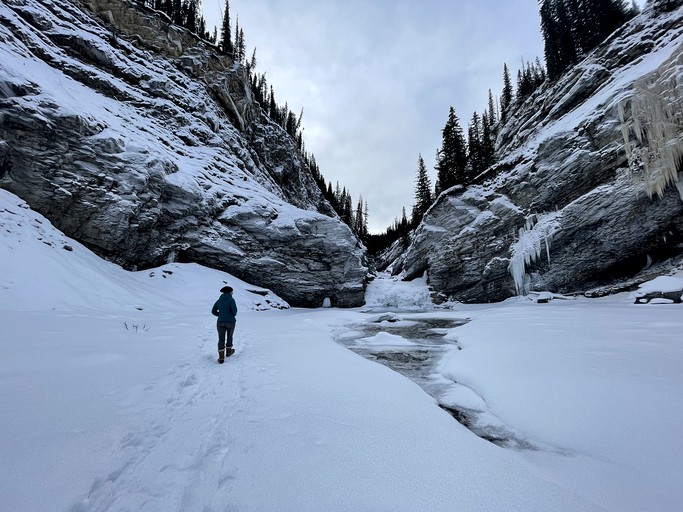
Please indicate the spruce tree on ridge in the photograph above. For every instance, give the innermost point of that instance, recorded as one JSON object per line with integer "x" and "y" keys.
{"x": 226, "y": 32}
{"x": 423, "y": 192}
{"x": 506, "y": 96}
{"x": 451, "y": 162}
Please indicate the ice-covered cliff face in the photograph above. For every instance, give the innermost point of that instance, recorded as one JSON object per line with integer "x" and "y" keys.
{"x": 573, "y": 206}
{"x": 138, "y": 140}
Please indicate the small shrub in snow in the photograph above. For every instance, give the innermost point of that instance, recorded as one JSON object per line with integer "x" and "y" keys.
{"x": 136, "y": 327}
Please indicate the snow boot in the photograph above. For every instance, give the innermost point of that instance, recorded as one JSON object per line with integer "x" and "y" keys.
{"x": 221, "y": 356}
{"x": 229, "y": 351}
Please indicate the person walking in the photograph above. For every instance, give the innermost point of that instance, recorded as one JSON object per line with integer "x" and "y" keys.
{"x": 225, "y": 309}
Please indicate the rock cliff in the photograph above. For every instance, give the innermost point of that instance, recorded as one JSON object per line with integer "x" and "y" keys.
{"x": 139, "y": 140}
{"x": 589, "y": 189}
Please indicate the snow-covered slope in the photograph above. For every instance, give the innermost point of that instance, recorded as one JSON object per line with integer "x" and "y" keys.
{"x": 140, "y": 141}
{"x": 43, "y": 270}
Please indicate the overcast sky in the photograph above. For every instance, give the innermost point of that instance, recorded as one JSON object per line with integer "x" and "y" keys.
{"x": 376, "y": 78}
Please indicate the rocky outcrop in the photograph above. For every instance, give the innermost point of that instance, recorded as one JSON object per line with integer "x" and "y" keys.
{"x": 588, "y": 190}
{"x": 140, "y": 141}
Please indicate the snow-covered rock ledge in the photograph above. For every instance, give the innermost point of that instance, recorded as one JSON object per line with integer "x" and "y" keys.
{"x": 662, "y": 290}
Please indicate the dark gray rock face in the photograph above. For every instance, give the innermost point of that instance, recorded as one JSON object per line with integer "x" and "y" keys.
{"x": 587, "y": 192}
{"x": 133, "y": 137}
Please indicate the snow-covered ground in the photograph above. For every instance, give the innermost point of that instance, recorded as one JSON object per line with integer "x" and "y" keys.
{"x": 112, "y": 399}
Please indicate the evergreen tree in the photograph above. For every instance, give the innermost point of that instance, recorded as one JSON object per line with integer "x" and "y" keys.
{"x": 488, "y": 153}
{"x": 338, "y": 194}
{"x": 522, "y": 86}
{"x": 572, "y": 28}
{"x": 572, "y": 22}
{"x": 438, "y": 186}
{"x": 291, "y": 124}
{"x": 451, "y": 160}
{"x": 272, "y": 106}
{"x": 177, "y": 12}
{"x": 404, "y": 230}
{"x": 560, "y": 33}
{"x": 191, "y": 18}
{"x": 297, "y": 127}
{"x": 261, "y": 89}
{"x": 539, "y": 72}
{"x": 282, "y": 113}
{"x": 476, "y": 156}
{"x": 201, "y": 24}
{"x": 226, "y": 32}
{"x": 548, "y": 31}
{"x": 236, "y": 43}
{"x": 359, "y": 227}
{"x": 600, "y": 18}
{"x": 493, "y": 118}
{"x": 506, "y": 96}
{"x": 529, "y": 78}
{"x": 423, "y": 192}
{"x": 329, "y": 195}
{"x": 240, "y": 45}
{"x": 346, "y": 207}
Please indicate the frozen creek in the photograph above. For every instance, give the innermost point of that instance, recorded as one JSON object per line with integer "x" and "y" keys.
{"x": 414, "y": 348}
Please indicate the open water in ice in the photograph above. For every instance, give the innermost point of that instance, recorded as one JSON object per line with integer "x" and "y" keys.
{"x": 419, "y": 362}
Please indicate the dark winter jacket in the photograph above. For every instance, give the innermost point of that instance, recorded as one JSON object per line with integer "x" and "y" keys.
{"x": 225, "y": 309}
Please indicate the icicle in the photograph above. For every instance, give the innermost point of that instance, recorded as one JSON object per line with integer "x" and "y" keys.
{"x": 655, "y": 122}
{"x": 537, "y": 230}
